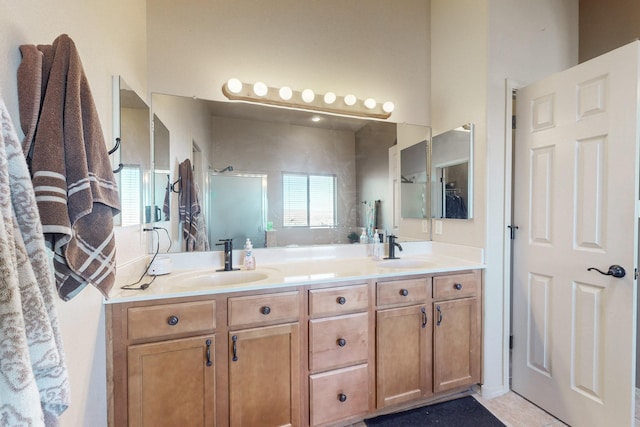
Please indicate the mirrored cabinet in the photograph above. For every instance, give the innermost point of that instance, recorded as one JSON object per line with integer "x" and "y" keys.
{"x": 131, "y": 126}
{"x": 452, "y": 174}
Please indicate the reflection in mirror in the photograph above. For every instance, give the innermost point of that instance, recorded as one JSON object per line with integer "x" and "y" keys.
{"x": 452, "y": 173}
{"x": 131, "y": 125}
{"x": 161, "y": 209}
{"x": 413, "y": 180}
{"x": 271, "y": 151}
{"x": 238, "y": 207}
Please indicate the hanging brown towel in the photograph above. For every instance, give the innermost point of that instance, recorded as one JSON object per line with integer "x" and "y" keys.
{"x": 75, "y": 189}
{"x": 188, "y": 205}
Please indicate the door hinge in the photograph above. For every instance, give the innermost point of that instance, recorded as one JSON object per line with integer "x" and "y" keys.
{"x": 635, "y": 273}
{"x": 512, "y": 230}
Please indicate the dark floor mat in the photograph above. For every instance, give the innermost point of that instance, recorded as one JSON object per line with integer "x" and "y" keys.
{"x": 462, "y": 412}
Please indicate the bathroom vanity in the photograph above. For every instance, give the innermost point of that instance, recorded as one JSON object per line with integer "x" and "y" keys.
{"x": 293, "y": 346}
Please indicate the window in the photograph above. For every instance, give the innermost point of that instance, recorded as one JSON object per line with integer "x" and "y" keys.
{"x": 130, "y": 193}
{"x": 309, "y": 200}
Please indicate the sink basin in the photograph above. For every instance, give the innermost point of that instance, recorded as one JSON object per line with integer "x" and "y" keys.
{"x": 404, "y": 263}
{"x": 210, "y": 278}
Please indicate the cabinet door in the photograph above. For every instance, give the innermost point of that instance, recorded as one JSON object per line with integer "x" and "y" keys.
{"x": 456, "y": 343}
{"x": 171, "y": 383}
{"x": 264, "y": 376}
{"x": 403, "y": 348}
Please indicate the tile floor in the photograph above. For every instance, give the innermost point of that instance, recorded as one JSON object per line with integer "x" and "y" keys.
{"x": 515, "y": 411}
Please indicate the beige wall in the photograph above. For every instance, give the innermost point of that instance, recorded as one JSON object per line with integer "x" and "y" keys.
{"x": 373, "y": 48}
{"x": 476, "y": 47}
{"x": 110, "y": 42}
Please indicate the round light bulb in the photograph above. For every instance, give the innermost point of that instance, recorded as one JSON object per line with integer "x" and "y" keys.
{"x": 329, "y": 98}
{"x": 308, "y": 95}
{"x": 234, "y": 85}
{"x": 315, "y": 119}
{"x": 285, "y": 93}
{"x": 260, "y": 89}
{"x": 350, "y": 99}
{"x": 370, "y": 103}
{"x": 388, "y": 107}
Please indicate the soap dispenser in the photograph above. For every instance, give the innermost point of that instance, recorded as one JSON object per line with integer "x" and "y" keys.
{"x": 363, "y": 236}
{"x": 249, "y": 259}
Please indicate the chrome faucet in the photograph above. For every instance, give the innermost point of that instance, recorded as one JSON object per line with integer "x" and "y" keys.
{"x": 228, "y": 254}
{"x": 392, "y": 247}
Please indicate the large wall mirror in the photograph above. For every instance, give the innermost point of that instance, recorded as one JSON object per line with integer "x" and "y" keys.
{"x": 131, "y": 125}
{"x": 452, "y": 173}
{"x": 280, "y": 177}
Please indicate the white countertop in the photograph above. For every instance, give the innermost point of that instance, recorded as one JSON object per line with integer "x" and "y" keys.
{"x": 195, "y": 274}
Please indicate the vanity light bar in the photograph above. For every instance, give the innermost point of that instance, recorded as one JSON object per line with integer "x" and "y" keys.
{"x": 349, "y": 105}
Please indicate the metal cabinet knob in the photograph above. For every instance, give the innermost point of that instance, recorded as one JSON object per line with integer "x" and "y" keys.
{"x": 342, "y": 397}
{"x": 458, "y": 286}
{"x": 342, "y": 342}
{"x": 404, "y": 292}
{"x": 341, "y": 300}
{"x": 173, "y": 320}
{"x": 265, "y": 310}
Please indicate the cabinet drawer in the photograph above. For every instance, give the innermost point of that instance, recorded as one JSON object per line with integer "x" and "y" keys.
{"x": 169, "y": 320}
{"x": 257, "y": 309}
{"x": 330, "y": 301}
{"x": 402, "y": 291}
{"x": 338, "y": 341}
{"x": 456, "y": 285}
{"x": 339, "y": 394}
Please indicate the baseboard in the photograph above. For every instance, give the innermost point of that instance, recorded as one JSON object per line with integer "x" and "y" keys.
{"x": 491, "y": 392}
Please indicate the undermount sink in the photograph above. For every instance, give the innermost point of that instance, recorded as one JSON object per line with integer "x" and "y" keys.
{"x": 213, "y": 278}
{"x": 404, "y": 263}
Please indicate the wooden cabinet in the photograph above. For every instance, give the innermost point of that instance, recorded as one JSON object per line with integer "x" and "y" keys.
{"x": 319, "y": 355}
{"x": 457, "y": 331}
{"x": 403, "y": 342}
{"x": 161, "y": 363}
{"x": 172, "y": 383}
{"x": 264, "y": 376}
{"x": 338, "y": 353}
{"x": 264, "y": 361}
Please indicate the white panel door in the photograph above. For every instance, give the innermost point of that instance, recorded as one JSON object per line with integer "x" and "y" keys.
{"x": 576, "y": 186}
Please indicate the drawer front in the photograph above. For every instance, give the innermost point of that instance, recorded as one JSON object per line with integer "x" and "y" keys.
{"x": 338, "y": 341}
{"x": 255, "y": 309}
{"x": 168, "y": 320}
{"x": 339, "y": 394}
{"x": 402, "y": 291}
{"x": 456, "y": 285}
{"x": 344, "y": 299}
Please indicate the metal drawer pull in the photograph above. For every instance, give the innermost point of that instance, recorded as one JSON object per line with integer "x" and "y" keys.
{"x": 341, "y": 300}
{"x": 342, "y": 342}
{"x": 209, "y": 362}
{"x": 458, "y": 286}
{"x": 235, "y": 347}
{"x": 439, "y": 315}
{"x": 424, "y": 317}
{"x": 342, "y": 397}
{"x": 265, "y": 310}
{"x": 173, "y": 320}
{"x": 404, "y": 292}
